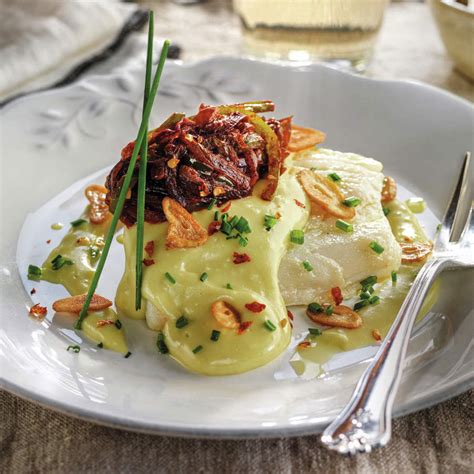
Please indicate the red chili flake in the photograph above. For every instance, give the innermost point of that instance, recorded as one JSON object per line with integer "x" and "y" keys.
{"x": 304, "y": 345}
{"x": 255, "y": 307}
{"x": 300, "y": 204}
{"x": 213, "y": 227}
{"x": 148, "y": 261}
{"x": 376, "y": 335}
{"x": 104, "y": 322}
{"x": 33, "y": 291}
{"x": 244, "y": 326}
{"x": 38, "y": 311}
{"x": 226, "y": 207}
{"x": 240, "y": 258}
{"x": 150, "y": 248}
{"x": 290, "y": 314}
{"x": 48, "y": 241}
{"x": 337, "y": 295}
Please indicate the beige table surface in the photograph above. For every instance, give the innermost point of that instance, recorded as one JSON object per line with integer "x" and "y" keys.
{"x": 439, "y": 439}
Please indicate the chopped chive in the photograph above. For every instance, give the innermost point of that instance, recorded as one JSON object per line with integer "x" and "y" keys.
{"x": 204, "y": 276}
{"x": 197, "y": 349}
{"x": 269, "y": 221}
{"x": 315, "y": 331}
{"x": 374, "y": 299}
{"x": 297, "y": 236}
{"x": 345, "y": 226}
{"x": 243, "y": 241}
{"x": 307, "y": 266}
{"x": 394, "y": 276}
{"x": 125, "y": 186}
{"x": 141, "y": 193}
{"x": 369, "y": 281}
{"x": 229, "y": 286}
{"x": 216, "y": 215}
{"x": 212, "y": 203}
{"x": 170, "y": 278}
{"x": 73, "y": 348}
{"x": 234, "y": 221}
{"x": 161, "y": 344}
{"x": 351, "y": 201}
{"x": 59, "y": 261}
{"x": 315, "y": 308}
{"x": 386, "y": 211}
{"x": 215, "y": 335}
{"x": 34, "y": 273}
{"x": 118, "y": 324}
{"x": 127, "y": 355}
{"x": 438, "y": 227}
{"x": 100, "y": 345}
{"x": 226, "y": 228}
{"x": 361, "y": 304}
{"x": 329, "y": 310}
{"x": 376, "y": 247}
{"x": 269, "y": 325}
{"x": 370, "y": 289}
{"x": 243, "y": 226}
{"x": 182, "y": 321}
{"x": 78, "y": 222}
{"x": 334, "y": 176}
{"x": 364, "y": 295}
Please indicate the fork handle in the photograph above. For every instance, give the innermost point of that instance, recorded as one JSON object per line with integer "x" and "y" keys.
{"x": 365, "y": 422}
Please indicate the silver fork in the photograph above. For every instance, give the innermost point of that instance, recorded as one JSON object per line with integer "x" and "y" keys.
{"x": 365, "y": 422}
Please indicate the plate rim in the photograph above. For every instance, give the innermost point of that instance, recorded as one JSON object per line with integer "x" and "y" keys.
{"x": 446, "y": 392}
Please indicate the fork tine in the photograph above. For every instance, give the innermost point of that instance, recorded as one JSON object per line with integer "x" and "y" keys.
{"x": 452, "y": 225}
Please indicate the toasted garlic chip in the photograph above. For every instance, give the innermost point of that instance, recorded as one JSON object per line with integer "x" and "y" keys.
{"x": 225, "y": 314}
{"x": 183, "y": 230}
{"x": 324, "y": 194}
{"x": 342, "y": 317}
{"x": 389, "y": 189}
{"x": 413, "y": 252}
{"x": 74, "y": 304}
{"x": 98, "y": 208}
{"x": 303, "y": 138}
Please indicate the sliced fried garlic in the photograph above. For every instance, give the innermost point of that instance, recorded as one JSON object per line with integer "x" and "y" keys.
{"x": 98, "y": 208}
{"x": 389, "y": 190}
{"x": 303, "y": 138}
{"x": 325, "y": 195}
{"x": 74, "y": 304}
{"x": 183, "y": 230}
{"x": 225, "y": 314}
{"x": 413, "y": 252}
{"x": 341, "y": 317}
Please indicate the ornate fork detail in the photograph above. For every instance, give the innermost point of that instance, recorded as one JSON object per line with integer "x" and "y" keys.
{"x": 365, "y": 422}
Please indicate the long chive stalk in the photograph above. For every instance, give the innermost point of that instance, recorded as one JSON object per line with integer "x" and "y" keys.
{"x": 125, "y": 185}
{"x": 142, "y": 171}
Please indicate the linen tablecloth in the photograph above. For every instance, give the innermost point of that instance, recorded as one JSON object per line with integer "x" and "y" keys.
{"x": 439, "y": 439}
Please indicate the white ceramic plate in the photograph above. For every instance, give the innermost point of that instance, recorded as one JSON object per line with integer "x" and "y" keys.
{"x": 52, "y": 140}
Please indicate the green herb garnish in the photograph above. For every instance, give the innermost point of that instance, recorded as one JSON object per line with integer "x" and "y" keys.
{"x": 215, "y": 335}
{"x": 118, "y": 324}
{"x": 361, "y": 304}
{"x": 59, "y": 261}
{"x": 307, "y": 266}
{"x": 197, "y": 349}
{"x": 125, "y": 185}
{"x": 364, "y": 295}
{"x": 334, "y": 176}
{"x": 269, "y": 325}
{"x": 329, "y": 310}
{"x": 369, "y": 281}
{"x": 204, "y": 276}
{"x": 78, "y": 222}
{"x": 297, "y": 236}
{"x": 243, "y": 226}
{"x": 351, "y": 201}
{"x": 315, "y": 308}
{"x": 212, "y": 203}
{"x": 34, "y": 273}
{"x": 374, "y": 299}
{"x": 170, "y": 278}
{"x": 344, "y": 226}
{"x": 73, "y": 348}
{"x": 376, "y": 247}
{"x": 269, "y": 221}
{"x": 394, "y": 276}
{"x": 386, "y": 211}
{"x": 161, "y": 344}
{"x": 142, "y": 169}
{"x": 315, "y": 331}
{"x": 182, "y": 321}
{"x": 100, "y": 345}
{"x": 229, "y": 286}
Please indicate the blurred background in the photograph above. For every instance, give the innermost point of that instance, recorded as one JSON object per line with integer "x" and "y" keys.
{"x": 53, "y": 42}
